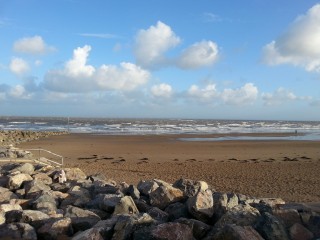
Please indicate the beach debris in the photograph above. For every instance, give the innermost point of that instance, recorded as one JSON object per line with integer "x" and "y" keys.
{"x": 35, "y": 204}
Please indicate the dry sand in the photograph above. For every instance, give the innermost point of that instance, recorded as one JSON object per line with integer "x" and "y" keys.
{"x": 286, "y": 169}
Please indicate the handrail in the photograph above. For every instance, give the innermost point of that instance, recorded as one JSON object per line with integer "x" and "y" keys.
{"x": 44, "y": 150}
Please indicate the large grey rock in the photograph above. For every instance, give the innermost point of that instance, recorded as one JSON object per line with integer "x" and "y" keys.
{"x": 190, "y": 187}
{"x": 199, "y": 229}
{"x": 127, "y": 225}
{"x": 34, "y": 188}
{"x": 13, "y": 216}
{"x": 172, "y": 231}
{"x": 9, "y": 207}
{"x": 133, "y": 192}
{"x": 78, "y": 197}
{"x": 271, "y": 228}
{"x": 237, "y": 232}
{"x": 298, "y": 232}
{"x": 92, "y": 233}
{"x": 165, "y": 195}
{"x": 74, "y": 174}
{"x": 146, "y": 187}
{"x": 2, "y": 217}
{"x": 109, "y": 202}
{"x": 27, "y": 168}
{"x": 15, "y": 181}
{"x": 242, "y": 215}
{"x": 81, "y": 219}
{"x": 34, "y": 218}
{"x": 17, "y": 231}
{"x": 60, "y": 228}
{"x": 177, "y": 210}
{"x": 44, "y": 178}
{"x": 200, "y": 206}
{"x": 158, "y": 214}
{"x": 106, "y": 227}
{"x": 314, "y": 225}
{"x": 288, "y": 216}
{"x": 126, "y": 205}
{"x": 6, "y": 195}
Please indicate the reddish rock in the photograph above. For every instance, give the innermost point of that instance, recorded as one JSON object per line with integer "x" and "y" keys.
{"x": 298, "y": 232}
{"x": 172, "y": 231}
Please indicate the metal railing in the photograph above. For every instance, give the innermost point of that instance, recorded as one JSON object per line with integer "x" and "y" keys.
{"x": 45, "y": 156}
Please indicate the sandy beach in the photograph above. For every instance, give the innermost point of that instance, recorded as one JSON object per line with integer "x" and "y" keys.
{"x": 286, "y": 169}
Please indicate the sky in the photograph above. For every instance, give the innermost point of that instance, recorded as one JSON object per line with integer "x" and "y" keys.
{"x": 222, "y": 59}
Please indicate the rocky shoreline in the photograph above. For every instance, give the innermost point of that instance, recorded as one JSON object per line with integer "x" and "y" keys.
{"x": 36, "y": 203}
{"x": 14, "y": 137}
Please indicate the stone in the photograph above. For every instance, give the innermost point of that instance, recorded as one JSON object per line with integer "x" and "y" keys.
{"x": 133, "y": 192}
{"x": 15, "y": 181}
{"x": 232, "y": 200}
{"x": 314, "y": 225}
{"x": 106, "y": 227}
{"x": 9, "y": 207}
{"x": 271, "y": 228}
{"x": 288, "y": 216}
{"x": 44, "y": 178}
{"x": 298, "y": 232}
{"x": 92, "y": 233}
{"x": 78, "y": 197}
{"x": 34, "y": 218}
{"x": 165, "y": 195}
{"x": 199, "y": 229}
{"x": 146, "y": 187}
{"x": 97, "y": 177}
{"x": 34, "y": 188}
{"x": 190, "y": 187}
{"x": 26, "y": 168}
{"x": 2, "y": 217}
{"x": 81, "y": 219}
{"x": 158, "y": 214}
{"x": 17, "y": 231}
{"x": 74, "y": 174}
{"x": 6, "y": 195}
{"x": 242, "y": 215}
{"x": 56, "y": 229}
{"x": 172, "y": 231}
{"x": 233, "y": 231}
{"x": 200, "y": 206}
{"x": 109, "y": 202}
{"x": 177, "y": 210}
{"x": 126, "y": 205}
{"x": 13, "y": 216}
{"x": 220, "y": 201}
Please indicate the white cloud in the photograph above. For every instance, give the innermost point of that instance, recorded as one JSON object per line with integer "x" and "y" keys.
{"x": 247, "y": 94}
{"x": 211, "y": 17}
{"x": 19, "y": 66}
{"x": 200, "y": 54}
{"x": 127, "y": 77}
{"x": 162, "y": 90}
{"x": 19, "y": 92}
{"x": 206, "y": 94}
{"x": 299, "y": 45}
{"x": 32, "y": 45}
{"x": 280, "y": 96}
{"x": 153, "y": 43}
{"x": 78, "y": 76}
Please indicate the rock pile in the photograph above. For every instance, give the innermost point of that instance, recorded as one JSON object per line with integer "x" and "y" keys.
{"x": 35, "y": 205}
{"x": 8, "y": 137}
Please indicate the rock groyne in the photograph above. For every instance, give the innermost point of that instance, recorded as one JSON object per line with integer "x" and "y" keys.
{"x": 38, "y": 202}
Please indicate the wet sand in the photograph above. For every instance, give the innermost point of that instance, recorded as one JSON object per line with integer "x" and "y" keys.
{"x": 286, "y": 169}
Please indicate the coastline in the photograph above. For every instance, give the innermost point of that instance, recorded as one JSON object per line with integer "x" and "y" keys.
{"x": 286, "y": 169}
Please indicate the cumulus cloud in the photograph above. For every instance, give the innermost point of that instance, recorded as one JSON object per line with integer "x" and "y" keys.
{"x": 281, "y": 96}
{"x": 206, "y": 94}
{"x": 200, "y": 54}
{"x": 151, "y": 45}
{"x": 19, "y": 66}
{"x": 78, "y": 76}
{"x": 247, "y": 94}
{"x": 299, "y": 45}
{"x": 32, "y": 45}
{"x": 19, "y": 92}
{"x": 162, "y": 90}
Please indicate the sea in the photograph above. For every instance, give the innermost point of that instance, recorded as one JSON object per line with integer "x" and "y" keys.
{"x": 298, "y": 130}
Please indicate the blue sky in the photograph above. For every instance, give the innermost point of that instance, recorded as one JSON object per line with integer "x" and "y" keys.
{"x": 251, "y": 59}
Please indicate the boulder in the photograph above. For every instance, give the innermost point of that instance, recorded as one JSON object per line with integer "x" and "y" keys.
{"x": 44, "y": 178}
{"x": 242, "y": 215}
{"x": 199, "y": 229}
{"x": 74, "y": 174}
{"x": 133, "y": 192}
{"x": 81, "y": 219}
{"x": 177, "y": 210}
{"x": 200, "y": 206}
{"x": 9, "y": 207}
{"x": 109, "y": 202}
{"x": 27, "y": 168}
{"x": 126, "y": 205}
{"x": 271, "y": 228}
{"x": 172, "y": 231}
{"x": 190, "y": 187}
{"x": 233, "y": 231}
{"x": 92, "y": 233}
{"x": 34, "y": 188}
{"x": 158, "y": 214}
{"x": 17, "y": 231}
{"x": 34, "y": 218}
{"x": 59, "y": 228}
{"x": 146, "y": 187}
{"x": 15, "y": 181}
{"x": 165, "y": 195}
{"x": 6, "y": 195}
{"x": 288, "y": 216}
{"x": 78, "y": 197}
{"x": 298, "y": 232}
{"x": 13, "y": 216}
